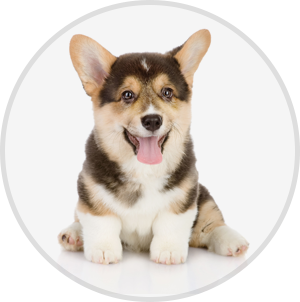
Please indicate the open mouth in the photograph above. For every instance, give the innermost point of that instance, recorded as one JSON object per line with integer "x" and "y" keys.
{"x": 148, "y": 149}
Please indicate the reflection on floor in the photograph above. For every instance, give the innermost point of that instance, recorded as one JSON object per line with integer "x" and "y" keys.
{"x": 138, "y": 276}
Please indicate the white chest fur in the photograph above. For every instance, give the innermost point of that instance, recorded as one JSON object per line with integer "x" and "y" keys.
{"x": 137, "y": 220}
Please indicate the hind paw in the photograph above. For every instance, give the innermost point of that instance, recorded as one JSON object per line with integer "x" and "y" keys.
{"x": 70, "y": 238}
{"x": 237, "y": 251}
{"x": 227, "y": 242}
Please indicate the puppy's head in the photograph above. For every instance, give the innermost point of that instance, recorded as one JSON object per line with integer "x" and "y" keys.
{"x": 141, "y": 101}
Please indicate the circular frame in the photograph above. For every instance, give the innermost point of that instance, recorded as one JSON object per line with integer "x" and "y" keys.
{"x": 138, "y": 3}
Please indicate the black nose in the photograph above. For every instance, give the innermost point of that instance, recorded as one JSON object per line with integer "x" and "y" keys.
{"x": 152, "y": 122}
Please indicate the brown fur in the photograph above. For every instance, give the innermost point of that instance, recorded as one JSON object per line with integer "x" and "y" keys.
{"x": 161, "y": 81}
{"x": 110, "y": 175}
{"x": 190, "y": 187}
{"x": 209, "y": 218}
{"x": 99, "y": 209}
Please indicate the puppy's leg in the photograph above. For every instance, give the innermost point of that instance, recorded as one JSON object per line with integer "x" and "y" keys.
{"x": 101, "y": 237}
{"x": 71, "y": 237}
{"x": 171, "y": 236}
{"x": 211, "y": 232}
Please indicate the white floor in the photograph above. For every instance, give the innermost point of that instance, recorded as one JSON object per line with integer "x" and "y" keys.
{"x": 137, "y": 275}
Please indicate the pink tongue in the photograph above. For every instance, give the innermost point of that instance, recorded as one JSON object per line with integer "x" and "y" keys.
{"x": 149, "y": 152}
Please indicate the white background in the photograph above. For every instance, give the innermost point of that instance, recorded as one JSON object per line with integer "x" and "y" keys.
{"x": 241, "y": 127}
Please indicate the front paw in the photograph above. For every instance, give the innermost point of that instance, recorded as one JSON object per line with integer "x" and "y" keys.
{"x": 164, "y": 252}
{"x": 104, "y": 253}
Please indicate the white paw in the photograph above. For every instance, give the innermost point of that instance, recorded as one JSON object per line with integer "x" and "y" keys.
{"x": 71, "y": 238}
{"x": 165, "y": 252}
{"x": 227, "y": 242}
{"x": 104, "y": 253}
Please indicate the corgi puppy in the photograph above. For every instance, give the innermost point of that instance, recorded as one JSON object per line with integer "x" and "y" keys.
{"x": 138, "y": 188}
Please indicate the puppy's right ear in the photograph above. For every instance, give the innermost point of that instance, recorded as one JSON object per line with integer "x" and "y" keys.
{"x": 91, "y": 61}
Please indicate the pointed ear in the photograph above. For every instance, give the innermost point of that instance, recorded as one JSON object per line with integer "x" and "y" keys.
{"x": 91, "y": 61}
{"x": 192, "y": 52}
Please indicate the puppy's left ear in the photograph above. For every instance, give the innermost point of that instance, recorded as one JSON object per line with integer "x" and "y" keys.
{"x": 192, "y": 52}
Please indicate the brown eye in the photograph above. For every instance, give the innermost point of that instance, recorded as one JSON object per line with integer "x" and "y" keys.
{"x": 127, "y": 96}
{"x": 167, "y": 93}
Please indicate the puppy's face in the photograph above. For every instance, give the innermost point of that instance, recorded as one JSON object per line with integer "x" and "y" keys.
{"x": 141, "y": 101}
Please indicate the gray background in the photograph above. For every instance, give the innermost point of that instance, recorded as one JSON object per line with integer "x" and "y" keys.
{"x": 25, "y": 25}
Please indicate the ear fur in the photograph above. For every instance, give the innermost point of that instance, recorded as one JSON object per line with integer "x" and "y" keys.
{"x": 91, "y": 61}
{"x": 192, "y": 52}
